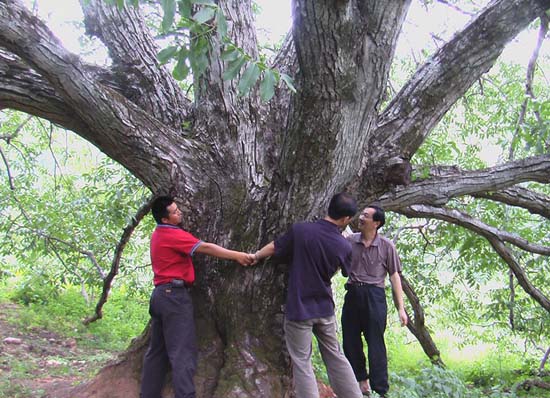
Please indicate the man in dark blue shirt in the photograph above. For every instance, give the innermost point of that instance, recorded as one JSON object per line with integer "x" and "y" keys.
{"x": 315, "y": 251}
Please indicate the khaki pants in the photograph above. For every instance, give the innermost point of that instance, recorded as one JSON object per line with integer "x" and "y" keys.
{"x": 298, "y": 336}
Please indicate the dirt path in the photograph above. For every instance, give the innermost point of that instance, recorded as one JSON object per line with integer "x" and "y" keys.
{"x": 37, "y": 363}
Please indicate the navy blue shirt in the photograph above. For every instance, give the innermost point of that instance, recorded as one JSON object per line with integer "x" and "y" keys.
{"x": 315, "y": 250}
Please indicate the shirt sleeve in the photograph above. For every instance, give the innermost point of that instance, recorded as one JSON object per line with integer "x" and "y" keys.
{"x": 284, "y": 244}
{"x": 394, "y": 263}
{"x": 186, "y": 243}
{"x": 345, "y": 265}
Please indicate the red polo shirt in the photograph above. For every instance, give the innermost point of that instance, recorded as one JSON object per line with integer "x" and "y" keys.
{"x": 171, "y": 251}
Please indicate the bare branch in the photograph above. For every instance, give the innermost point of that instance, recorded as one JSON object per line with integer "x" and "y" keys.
{"x": 417, "y": 326}
{"x": 449, "y": 73}
{"x": 438, "y": 190}
{"x": 455, "y": 7}
{"x": 53, "y": 239}
{"x": 543, "y": 30}
{"x": 534, "y": 202}
{"x": 473, "y": 224}
{"x": 9, "y": 137}
{"x": 115, "y": 264}
{"x": 88, "y": 253}
{"x": 544, "y": 359}
{"x": 7, "y": 164}
{"x": 495, "y": 237}
{"x": 518, "y": 271}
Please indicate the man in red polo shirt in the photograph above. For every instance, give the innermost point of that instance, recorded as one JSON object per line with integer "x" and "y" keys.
{"x": 172, "y": 325}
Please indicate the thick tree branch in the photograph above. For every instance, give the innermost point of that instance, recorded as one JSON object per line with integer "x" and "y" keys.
{"x": 114, "y": 124}
{"x": 534, "y": 202}
{"x": 338, "y": 94}
{"x": 464, "y": 220}
{"x": 115, "y": 264}
{"x": 495, "y": 237}
{"x": 417, "y": 325}
{"x": 356, "y": 41}
{"x": 520, "y": 274}
{"x": 448, "y": 74}
{"x": 23, "y": 89}
{"x": 136, "y": 68}
{"x": 438, "y": 190}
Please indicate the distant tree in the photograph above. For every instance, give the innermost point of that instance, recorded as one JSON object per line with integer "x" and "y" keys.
{"x": 244, "y": 169}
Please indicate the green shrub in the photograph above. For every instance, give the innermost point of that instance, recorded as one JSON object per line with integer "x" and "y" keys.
{"x": 433, "y": 382}
{"x": 34, "y": 288}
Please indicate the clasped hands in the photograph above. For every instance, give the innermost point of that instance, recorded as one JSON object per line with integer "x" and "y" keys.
{"x": 247, "y": 259}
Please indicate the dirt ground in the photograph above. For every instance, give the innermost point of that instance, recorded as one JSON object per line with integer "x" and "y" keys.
{"x": 40, "y": 363}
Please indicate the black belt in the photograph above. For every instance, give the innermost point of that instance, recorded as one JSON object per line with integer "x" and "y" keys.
{"x": 176, "y": 284}
{"x": 349, "y": 285}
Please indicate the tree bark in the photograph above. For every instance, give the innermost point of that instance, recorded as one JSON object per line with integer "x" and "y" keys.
{"x": 417, "y": 325}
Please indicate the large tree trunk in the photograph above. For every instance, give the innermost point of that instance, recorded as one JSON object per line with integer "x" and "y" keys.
{"x": 244, "y": 170}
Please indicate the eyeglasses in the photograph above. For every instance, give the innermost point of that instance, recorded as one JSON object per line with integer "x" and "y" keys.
{"x": 175, "y": 211}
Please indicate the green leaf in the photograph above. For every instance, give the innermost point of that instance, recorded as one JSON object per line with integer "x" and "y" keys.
{"x": 289, "y": 82}
{"x": 231, "y": 54}
{"x": 181, "y": 70}
{"x": 250, "y": 76}
{"x": 120, "y": 4}
{"x": 204, "y": 14}
{"x": 233, "y": 68}
{"x": 221, "y": 23}
{"x": 199, "y": 57}
{"x": 169, "y": 8}
{"x": 267, "y": 86}
{"x": 166, "y": 54}
{"x": 185, "y": 8}
{"x": 200, "y": 64}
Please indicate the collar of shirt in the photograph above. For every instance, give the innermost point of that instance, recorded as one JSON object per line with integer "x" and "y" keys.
{"x": 358, "y": 238}
{"x": 167, "y": 226}
{"x": 329, "y": 224}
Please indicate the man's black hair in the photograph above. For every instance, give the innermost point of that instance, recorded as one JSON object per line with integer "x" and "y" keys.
{"x": 379, "y": 215}
{"x": 342, "y": 205}
{"x": 159, "y": 208}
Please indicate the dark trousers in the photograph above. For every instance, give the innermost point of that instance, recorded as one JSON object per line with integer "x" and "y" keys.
{"x": 172, "y": 343}
{"x": 364, "y": 313}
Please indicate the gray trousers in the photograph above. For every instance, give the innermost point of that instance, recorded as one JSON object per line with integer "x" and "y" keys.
{"x": 298, "y": 336}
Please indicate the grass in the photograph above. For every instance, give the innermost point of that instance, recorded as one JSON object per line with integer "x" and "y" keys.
{"x": 55, "y": 346}
{"x": 124, "y": 315}
{"x": 476, "y": 370}
{"x": 492, "y": 367}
